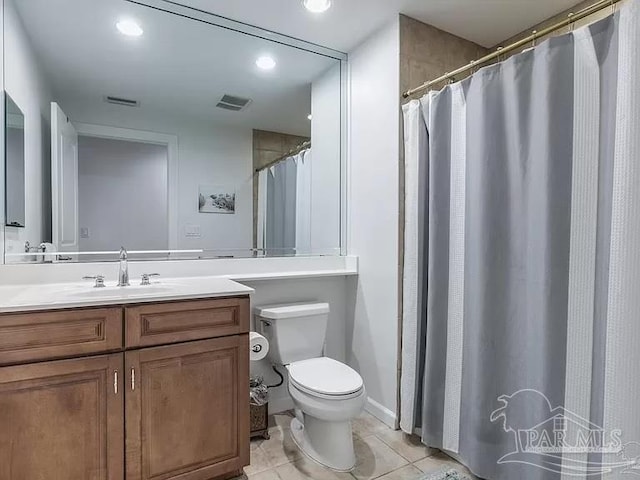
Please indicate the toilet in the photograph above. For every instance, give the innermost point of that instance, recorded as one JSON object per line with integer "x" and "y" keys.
{"x": 327, "y": 394}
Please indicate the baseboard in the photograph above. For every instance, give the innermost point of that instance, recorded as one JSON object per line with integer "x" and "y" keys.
{"x": 382, "y": 413}
{"x": 279, "y": 405}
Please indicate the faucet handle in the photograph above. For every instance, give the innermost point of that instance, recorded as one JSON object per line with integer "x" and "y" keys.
{"x": 146, "y": 278}
{"x": 98, "y": 278}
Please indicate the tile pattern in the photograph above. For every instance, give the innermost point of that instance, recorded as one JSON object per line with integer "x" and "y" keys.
{"x": 382, "y": 453}
{"x": 427, "y": 52}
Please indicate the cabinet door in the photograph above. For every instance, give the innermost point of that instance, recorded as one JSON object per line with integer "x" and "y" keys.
{"x": 187, "y": 410}
{"x": 62, "y": 420}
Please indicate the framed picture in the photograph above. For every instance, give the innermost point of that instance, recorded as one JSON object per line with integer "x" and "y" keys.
{"x": 216, "y": 199}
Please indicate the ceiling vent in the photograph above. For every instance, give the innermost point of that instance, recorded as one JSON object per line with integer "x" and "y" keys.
{"x": 235, "y": 104}
{"x": 122, "y": 101}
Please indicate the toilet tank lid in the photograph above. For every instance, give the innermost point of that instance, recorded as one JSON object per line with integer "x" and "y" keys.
{"x": 276, "y": 312}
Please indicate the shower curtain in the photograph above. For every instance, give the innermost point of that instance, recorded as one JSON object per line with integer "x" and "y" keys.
{"x": 284, "y": 207}
{"x": 261, "y": 221}
{"x": 521, "y": 328}
{"x": 280, "y": 238}
{"x": 303, "y": 203}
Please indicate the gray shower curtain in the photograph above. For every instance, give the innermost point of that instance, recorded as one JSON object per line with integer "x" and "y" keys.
{"x": 280, "y": 235}
{"x": 522, "y": 260}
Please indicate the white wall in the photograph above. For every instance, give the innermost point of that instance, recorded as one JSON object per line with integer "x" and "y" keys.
{"x": 373, "y": 215}
{"x": 216, "y": 156}
{"x": 27, "y": 85}
{"x": 208, "y": 154}
{"x": 325, "y": 167}
{"x": 122, "y": 185}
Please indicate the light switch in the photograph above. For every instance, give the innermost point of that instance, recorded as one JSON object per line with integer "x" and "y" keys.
{"x": 84, "y": 232}
{"x": 192, "y": 231}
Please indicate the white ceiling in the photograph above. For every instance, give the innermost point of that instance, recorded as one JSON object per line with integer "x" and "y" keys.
{"x": 348, "y": 22}
{"x": 178, "y": 68}
{"x": 183, "y": 67}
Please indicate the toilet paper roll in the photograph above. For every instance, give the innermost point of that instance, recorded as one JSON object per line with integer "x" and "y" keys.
{"x": 258, "y": 347}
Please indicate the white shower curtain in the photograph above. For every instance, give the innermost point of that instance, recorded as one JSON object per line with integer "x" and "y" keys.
{"x": 522, "y": 259}
{"x": 303, "y": 203}
{"x": 262, "y": 208}
{"x": 284, "y": 207}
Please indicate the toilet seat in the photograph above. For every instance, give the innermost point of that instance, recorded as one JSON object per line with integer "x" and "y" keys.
{"x": 325, "y": 378}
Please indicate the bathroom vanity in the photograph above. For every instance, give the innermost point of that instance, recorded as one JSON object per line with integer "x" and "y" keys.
{"x": 136, "y": 390}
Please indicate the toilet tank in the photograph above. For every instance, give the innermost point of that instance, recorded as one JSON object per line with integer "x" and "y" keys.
{"x": 295, "y": 331}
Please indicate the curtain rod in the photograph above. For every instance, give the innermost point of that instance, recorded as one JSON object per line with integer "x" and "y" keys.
{"x": 572, "y": 18}
{"x": 290, "y": 153}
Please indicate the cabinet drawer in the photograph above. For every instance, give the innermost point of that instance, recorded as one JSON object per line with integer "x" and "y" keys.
{"x": 165, "y": 323}
{"x": 46, "y": 335}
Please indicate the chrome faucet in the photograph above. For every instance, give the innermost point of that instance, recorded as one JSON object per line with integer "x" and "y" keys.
{"x": 123, "y": 273}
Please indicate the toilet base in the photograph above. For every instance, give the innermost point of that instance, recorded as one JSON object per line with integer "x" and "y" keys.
{"x": 328, "y": 443}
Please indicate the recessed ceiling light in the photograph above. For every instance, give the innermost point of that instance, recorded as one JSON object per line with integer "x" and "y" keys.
{"x": 317, "y": 6}
{"x": 266, "y": 62}
{"x": 309, "y": 117}
{"x": 129, "y": 28}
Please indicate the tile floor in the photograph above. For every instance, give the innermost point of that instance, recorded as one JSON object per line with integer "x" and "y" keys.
{"x": 382, "y": 453}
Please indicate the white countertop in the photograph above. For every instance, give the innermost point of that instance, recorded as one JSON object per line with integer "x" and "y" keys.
{"x": 22, "y": 298}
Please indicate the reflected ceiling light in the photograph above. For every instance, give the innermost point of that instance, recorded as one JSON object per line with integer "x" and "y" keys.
{"x": 129, "y": 28}
{"x": 266, "y": 63}
{"x": 317, "y": 6}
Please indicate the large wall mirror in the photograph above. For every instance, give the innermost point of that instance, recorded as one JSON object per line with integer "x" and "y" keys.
{"x": 171, "y": 132}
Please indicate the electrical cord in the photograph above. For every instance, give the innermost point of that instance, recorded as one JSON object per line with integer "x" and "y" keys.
{"x": 281, "y": 378}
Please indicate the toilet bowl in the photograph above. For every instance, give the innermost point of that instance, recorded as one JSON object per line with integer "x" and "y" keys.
{"x": 327, "y": 394}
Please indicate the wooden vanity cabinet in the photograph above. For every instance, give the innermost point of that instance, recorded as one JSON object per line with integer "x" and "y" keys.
{"x": 173, "y": 405}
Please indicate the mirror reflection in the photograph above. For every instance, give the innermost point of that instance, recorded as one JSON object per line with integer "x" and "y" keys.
{"x": 170, "y": 136}
{"x": 14, "y": 164}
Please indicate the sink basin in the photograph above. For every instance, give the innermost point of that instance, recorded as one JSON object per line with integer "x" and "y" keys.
{"x": 134, "y": 290}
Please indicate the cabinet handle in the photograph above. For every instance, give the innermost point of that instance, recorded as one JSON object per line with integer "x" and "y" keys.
{"x": 133, "y": 378}
{"x": 115, "y": 382}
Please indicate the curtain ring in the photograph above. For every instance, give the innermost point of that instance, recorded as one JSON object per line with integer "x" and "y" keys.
{"x": 534, "y": 42}
{"x": 613, "y": 8}
{"x": 500, "y": 56}
{"x": 572, "y": 24}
